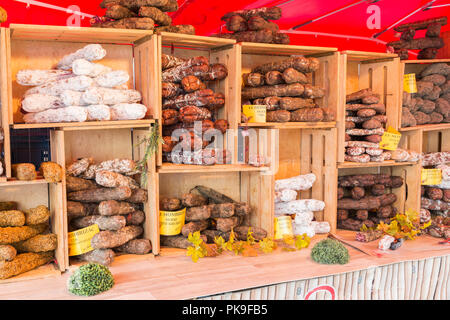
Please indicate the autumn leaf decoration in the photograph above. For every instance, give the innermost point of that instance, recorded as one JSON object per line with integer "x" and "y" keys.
{"x": 405, "y": 225}
{"x": 249, "y": 248}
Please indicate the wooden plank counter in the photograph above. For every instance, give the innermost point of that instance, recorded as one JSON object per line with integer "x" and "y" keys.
{"x": 177, "y": 277}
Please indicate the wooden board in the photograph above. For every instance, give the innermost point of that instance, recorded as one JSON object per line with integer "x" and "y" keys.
{"x": 280, "y": 49}
{"x": 360, "y": 70}
{"x": 89, "y": 125}
{"x": 76, "y": 34}
{"x": 4, "y": 101}
{"x": 291, "y": 125}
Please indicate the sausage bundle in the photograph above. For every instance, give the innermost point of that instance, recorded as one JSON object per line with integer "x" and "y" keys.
{"x": 190, "y": 108}
{"x": 254, "y": 26}
{"x": 79, "y": 90}
{"x": 211, "y": 213}
{"x": 140, "y": 14}
{"x": 107, "y": 194}
{"x": 286, "y": 203}
{"x": 366, "y": 199}
{"x": 431, "y": 103}
{"x": 286, "y": 91}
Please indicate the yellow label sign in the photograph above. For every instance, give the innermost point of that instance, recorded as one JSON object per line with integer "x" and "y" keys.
{"x": 80, "y": 240}
{"x": 283, "y": 227}
{"x": 255, "y": 113}
{"x": 409, "y": 83}
{"x": 431, "y": 177}
{"x": 171, "y": 222}
{"x": 390, "y": 139}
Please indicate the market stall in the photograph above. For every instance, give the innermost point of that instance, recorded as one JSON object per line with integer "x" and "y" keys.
{"x": 237, "y": 164}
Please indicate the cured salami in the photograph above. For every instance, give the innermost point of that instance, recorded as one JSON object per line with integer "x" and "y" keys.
{"x": 128, "y": 111}
{"x": 67, "y": 114}
{"x": 108, "y": 96}
{"x": 40, "y": 77}
{"x": 40, "y": 102}
{"x": 82, "y": 67}
{"x": 91, "y": 52}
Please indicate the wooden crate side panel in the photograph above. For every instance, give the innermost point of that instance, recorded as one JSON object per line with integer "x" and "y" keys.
{"x": 4, "y": 101}
{"x": 340, "y": 112}
{"x": 46, "y": 55}
{"x": 151, "y": 208}
{"x": 326, "y": 77}
{"x": 58, "y": 201}
{"x": 411, "y": 140}
{"x": 148, "y": 75}
{"x": 101, "y": 145}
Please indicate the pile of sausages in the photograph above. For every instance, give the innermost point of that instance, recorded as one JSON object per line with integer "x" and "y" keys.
{"x": 431, "y": 103}
{"x": 107, "y": 194}
{"x": 213, "y": 217}
{"x": 366, "y": 199}
{"x": 140, "y": 14}
{"x": 435, "y": 200}
{"x": 192, "y": 108}
{"x": 286, "y": 203}
{"x": 285, "y": 88}
{"x": 254, "y": 26}
{"x": 79, "y": 90}
{"x": 364, "y": 126}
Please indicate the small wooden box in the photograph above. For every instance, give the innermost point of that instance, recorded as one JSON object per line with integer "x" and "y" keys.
{"x": 255, "y": 54}
{"x": 361, "y": 70}
{"x": 41, "y": 47}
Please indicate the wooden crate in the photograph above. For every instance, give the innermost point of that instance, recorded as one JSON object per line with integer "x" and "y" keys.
{"x": 30, "y": 194}
{"x": 360, "y": 70}
{"x": 31, "y": 47}
{"x": 4, "y": 106}
{"x": 217, "y": 50}
{"x": 69, "y": 144}
{"x": 436, "y": 141}
{"x": 303, "y": 151}
{"x": 255, "y": 54}
{"x": 416, "y": 66}
{"x": 408, "y": 195}
{"x": 254, "y": 188}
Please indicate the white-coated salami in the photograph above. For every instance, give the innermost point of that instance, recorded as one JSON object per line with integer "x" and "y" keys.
{"x": 435, "y": 158}
{"x": 128, "y": 111}
{"x": 383, "y": 157}
{"x": 445, "y": 171}
{"x": 321, "y": 226}
{"x": 113, "y": 179}
{"x": 355, "y": 151}
{"x": 402, "y": 155}
{"x": 124, "y": 166}
{"x": 39, "y": 77}
{"x": 374, "y": 151}
{"x": 98, "y": 112}
{"x": 67, "y": 114}
{"x": 78, "y": 166}
{"x": 365, "y": 132}
{"x": 109, "y": 96}
{"x": 304, "y": 217}
{"x": 91, "y": 52}
{"x": 82, "y": 67}
{"x": 295, "y": 206}
{"x": 55, "y": 88}
{"x": 285, "y": 195}
{"x": 363, "y": 144}
{"x": 363, "y": 158}
{"x": 112, "y": 79}
{"x": 40, "y": 102}
{"x": 301, "y": 182}
{"x": 72, "y": 98}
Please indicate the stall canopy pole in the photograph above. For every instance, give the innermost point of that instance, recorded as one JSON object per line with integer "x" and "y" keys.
{"x": 51, "y": 6}
{"x": 333, "y": 12}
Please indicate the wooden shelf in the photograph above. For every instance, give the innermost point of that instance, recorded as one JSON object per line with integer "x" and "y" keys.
{"x": 426, "y": 61}
{"x": 15, "y": 182}
{"x": 186, "y": 168}
{"x": 389, "y": 163}
{"x": 291, "y": 125}
{"x": 428, "y": 127}
{"x": 280, "y": 49}
{"x": 92, "y": 125}
{"x": 186, "y": 40}
{"x": 76, "y": 34}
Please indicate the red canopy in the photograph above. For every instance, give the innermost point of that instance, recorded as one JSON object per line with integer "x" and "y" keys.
{"x": 346, "y": 29}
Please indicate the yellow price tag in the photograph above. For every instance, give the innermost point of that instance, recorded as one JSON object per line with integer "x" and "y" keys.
{"x": 171, "y": 222}
{"x": 390, "y": 139}
{"x": 255, "y": 113}
{"x": 283, "y": 227}
{"x": 80, "y": 240}
{"x": 431, "y": 177}
{"x": 409, "y": 83}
